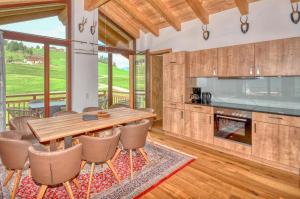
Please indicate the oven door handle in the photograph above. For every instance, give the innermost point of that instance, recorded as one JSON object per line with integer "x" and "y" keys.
{"x": 232, "y": 118}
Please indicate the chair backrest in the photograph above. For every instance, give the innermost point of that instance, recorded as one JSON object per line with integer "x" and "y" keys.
{"x": 119, "y": 106}
{"x": 52, "y": 168}
{"x": 20, "y": 124}
{"x": 62, "y": 113}
{"x": 96, "y": 149}
{"x": 89, "y": 109}
{"x": 13, "y": 153}
{"x": 134, "y": 136}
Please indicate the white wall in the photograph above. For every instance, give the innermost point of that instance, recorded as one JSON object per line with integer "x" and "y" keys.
{"x": 85, "y": 67}
{"x": 269, "y": 20}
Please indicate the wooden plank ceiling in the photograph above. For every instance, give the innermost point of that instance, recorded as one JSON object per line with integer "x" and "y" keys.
{"x": 151, "y": 15}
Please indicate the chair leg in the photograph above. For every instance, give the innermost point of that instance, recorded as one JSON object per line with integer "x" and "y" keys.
{"x": 16, "y": 185}
{"x": 116, "y": 154}
{"x": 42, "y": 191}
{"x": 111, "y": 166}
{"x": 69, "y": 189}
{"x": 90, "y": 180}
{"x": 9, "y": 174}
{"x": 144, "y": 154}
{"x": 131, "y": 166}
{"x": 82, "y": 165}
{"x": 76, "y": 182}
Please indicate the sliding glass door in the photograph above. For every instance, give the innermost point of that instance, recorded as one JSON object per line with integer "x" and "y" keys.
{"x": 24, "y": 79}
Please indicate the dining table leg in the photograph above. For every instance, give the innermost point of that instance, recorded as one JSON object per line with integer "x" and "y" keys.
{"x": 53, "y": 146}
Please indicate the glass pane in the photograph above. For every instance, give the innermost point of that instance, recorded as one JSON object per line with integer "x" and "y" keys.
{"x": 24, "y": 79}
{"x": 103, "y": 80}
{"x": 140, "y": 81}
{"x": 58, "y": 79}
{"x": 49, "y": 27}
{"x": 120, "y": 79}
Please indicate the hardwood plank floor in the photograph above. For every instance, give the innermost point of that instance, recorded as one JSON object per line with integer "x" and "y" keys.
{"x": 216, "y": 175}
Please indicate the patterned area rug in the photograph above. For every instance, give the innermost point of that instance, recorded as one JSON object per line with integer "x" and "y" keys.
{"x": 164, "y": 162}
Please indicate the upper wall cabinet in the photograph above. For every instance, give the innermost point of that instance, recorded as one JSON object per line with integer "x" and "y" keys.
{"x": 278, "y": 58}
{"x": 203, "y": 63}
{"x": 236, "y": 61}
{"x": 174, "y": 58}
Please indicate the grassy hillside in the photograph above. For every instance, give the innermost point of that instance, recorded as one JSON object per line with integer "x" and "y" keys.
{"x": 25, "y": 78}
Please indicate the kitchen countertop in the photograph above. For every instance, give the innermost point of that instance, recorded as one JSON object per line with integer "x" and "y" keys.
{"x": 253, "y": 108}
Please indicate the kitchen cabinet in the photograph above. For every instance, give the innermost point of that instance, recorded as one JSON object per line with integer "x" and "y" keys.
{"x": 278, "y": 58}
{"x": 203, "y": 63}
{"x": 236, "y": 61}
{"x": 173, "y": 120}
{"x": 199, "y": 126}
{"x": 174, "y": 66}
{"x": 271, "y": 140}
{"x": 173, "y": 81}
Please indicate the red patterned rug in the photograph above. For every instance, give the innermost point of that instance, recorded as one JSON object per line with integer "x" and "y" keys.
{"x": 164, "y": 162}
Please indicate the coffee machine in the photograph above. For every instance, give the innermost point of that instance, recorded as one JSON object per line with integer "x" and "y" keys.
{"x": 196, "y": 96}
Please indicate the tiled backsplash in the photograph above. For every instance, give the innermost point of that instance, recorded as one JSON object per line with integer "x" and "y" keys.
{"x": 282, "y": 92}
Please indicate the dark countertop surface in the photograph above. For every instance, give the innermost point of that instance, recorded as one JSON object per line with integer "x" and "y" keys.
{"x": 253, "y": 108}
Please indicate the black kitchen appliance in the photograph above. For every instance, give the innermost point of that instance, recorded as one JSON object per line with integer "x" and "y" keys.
{"x": 206, "y": 98}
{"x": 232, "y": 124}
{"x": 196, "y": 96}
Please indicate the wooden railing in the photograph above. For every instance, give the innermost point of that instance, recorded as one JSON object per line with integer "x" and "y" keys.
{"x": 20, "y": 102}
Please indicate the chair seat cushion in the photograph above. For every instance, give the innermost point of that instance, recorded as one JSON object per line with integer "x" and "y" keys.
{"x": 104, "y": 134}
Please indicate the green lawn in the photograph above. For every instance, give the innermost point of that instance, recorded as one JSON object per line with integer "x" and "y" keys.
{"x": 24, "y": 78}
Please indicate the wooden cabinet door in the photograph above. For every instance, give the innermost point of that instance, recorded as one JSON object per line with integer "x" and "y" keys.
{"x": 167, "y": 80}
{"x": 174, "y": 58}
{"x": 278, "y": 58}
{"x": 236, "y": 61}
{"x": 173, "y": 120}
{"x": 199, "y": 126}
{"x": 265, "y": 141}
{"x": 177, "y": 83}
{"x": 203, "y": 63}
{"x": 289, "y": 146}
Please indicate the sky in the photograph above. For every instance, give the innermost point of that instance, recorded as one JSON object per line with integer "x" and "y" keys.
{"x": 52, "y": 27}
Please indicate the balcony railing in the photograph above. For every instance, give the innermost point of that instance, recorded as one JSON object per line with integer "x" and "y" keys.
{"x": 18, "y": 105}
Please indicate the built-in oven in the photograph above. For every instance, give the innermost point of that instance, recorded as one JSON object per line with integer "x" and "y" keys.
{"x": 233, "y": 125}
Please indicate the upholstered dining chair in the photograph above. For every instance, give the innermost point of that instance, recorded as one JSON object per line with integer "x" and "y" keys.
{"x": 89, "y": 109}
{"x": 99, "y": 150}
{"x": 20, "y": 125}
{"x": 134, "y": 137}
{"x": 54, "y": 168}
{"x": 62, "y": 113}
{"x": 119, "y": 105}
{"x": 14, "y": 154}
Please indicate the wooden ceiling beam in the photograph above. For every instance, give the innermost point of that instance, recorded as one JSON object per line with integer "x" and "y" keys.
{"x": 114, "y": 26}
{"x": 21, "y": 3}
{"x": 112, "y": 38}
{"x": 111, "y": 11}
{"x": 138, "y": 16}
{"x": 199, "y": 10}
{"x": 27, "y": 17}
{"x": 164, "y": 11}
{"x": 63, "y": 16}
{"x": 93, "y": 4}
{"x": 112, "y": 33}
{"x": 243, "y": 6}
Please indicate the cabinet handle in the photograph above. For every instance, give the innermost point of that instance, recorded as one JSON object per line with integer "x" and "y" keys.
{"x": 172, "y": 62}
{"x": 210, "y": 119}
{"x": 173, "y": 104}
{"x": 254, "y": 127}
{"x": 199, "y": 107}
{"x": 181, "y": 114}
{"x": 278, "y": 118}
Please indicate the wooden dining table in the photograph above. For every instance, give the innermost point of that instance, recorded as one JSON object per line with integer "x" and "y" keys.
{"x": 67, "y": 126}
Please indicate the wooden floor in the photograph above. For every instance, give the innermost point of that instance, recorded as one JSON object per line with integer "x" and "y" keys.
{"x": 215, "y": 175}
